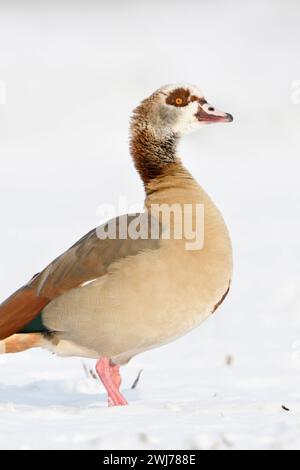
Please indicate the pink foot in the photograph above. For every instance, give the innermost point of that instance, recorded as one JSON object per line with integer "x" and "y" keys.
{"x": 109, "y": 374}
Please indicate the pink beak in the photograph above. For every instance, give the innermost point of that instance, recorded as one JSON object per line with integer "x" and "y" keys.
{"x": 211, "y": 114}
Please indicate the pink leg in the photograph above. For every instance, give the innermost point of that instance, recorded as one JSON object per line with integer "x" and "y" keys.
{"x": 116, "y": 376}
{"x": 109, "y": 375}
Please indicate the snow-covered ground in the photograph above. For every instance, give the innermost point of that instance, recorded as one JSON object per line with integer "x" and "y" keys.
{"x": 72, "y": 75}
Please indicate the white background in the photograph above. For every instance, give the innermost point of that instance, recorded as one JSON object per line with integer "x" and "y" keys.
{"x": 73, "y": 72}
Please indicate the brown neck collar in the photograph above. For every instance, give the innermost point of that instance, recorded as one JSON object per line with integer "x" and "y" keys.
{"x": 153, "y": 156}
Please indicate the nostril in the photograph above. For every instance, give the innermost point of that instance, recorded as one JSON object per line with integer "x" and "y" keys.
{"x": 211, "y": 109}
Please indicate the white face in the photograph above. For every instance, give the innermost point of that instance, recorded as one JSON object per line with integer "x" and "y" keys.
{"x": 182, "y": 108}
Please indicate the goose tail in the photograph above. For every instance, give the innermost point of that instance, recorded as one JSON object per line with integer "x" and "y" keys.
{"x": 19, "y": 310}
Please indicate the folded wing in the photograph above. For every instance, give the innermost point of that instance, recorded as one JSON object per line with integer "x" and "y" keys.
{"x": 85, "y": 261}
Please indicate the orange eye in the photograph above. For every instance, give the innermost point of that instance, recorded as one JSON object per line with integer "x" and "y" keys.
{"x": 179, "y": 101}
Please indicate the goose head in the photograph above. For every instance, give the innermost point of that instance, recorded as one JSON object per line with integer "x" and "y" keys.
{"x": 177, "y": 110}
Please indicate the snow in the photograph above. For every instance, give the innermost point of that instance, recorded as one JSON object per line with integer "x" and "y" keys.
{"x": 72, "y": 76}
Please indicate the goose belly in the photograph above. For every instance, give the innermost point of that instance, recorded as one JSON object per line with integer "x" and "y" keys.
{"x": 143, "y": 302}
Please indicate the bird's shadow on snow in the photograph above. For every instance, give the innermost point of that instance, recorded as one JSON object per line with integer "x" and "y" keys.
{"x": 49, "y": 393}
{"x": 57, "y": 393}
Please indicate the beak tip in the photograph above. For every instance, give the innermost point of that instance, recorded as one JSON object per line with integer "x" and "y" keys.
{"x": 229, "y": 117}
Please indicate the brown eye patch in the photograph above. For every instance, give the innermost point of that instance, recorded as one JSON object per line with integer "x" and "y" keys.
{"x": 179, "y": 97}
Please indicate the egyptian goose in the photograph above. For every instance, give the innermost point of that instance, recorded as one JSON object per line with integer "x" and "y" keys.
{"x": 112, "y": 297}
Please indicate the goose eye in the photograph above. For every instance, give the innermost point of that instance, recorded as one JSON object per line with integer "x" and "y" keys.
{"x": 179, "y": 101}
